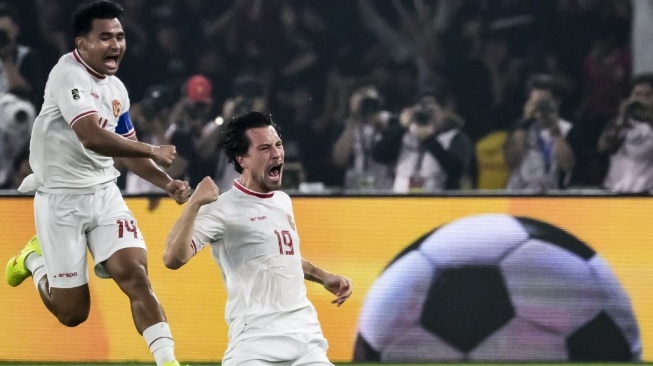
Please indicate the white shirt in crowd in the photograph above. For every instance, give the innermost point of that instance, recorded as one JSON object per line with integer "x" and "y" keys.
{"x": 631, "y": 167}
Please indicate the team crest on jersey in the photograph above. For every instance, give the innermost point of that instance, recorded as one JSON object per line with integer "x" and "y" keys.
{"x": 115, "y": 104}
{"x": 291, "y": 222}
{"x": 75, "y": 94}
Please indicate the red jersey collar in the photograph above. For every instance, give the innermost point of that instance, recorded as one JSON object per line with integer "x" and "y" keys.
{"x": 248, "y": 191}
{"x": 90, "y": 70}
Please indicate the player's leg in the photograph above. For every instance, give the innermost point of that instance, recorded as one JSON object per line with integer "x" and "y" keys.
{"x": 58, "y": 260}
{"x": 69, "y": 306}
{"x": 119, "y": 252}
{"x": 128, "y": 268}
{"x": 316, "y": 356}
{"x": 313, "y": 350}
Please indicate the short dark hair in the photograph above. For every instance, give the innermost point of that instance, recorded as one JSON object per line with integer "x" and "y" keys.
{"x": 86, "y": 13}
{"x": 642, "y": 79}
{"x": 545, "y": 82}
{"x": 234, "y": 139}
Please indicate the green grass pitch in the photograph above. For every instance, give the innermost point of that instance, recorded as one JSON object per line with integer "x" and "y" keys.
{"x": 337, "y": 364}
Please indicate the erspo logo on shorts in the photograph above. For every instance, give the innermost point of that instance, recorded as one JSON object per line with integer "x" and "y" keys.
{"x": 67, "y": 275}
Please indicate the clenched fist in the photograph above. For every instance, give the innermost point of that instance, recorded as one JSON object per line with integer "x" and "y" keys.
{"x": 206, "y": 192}
{"x": 164, "y": 155}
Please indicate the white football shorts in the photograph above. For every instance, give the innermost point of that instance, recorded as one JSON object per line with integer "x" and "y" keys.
{"x": 299, "y": 349}
{"x": 67, "y": 224}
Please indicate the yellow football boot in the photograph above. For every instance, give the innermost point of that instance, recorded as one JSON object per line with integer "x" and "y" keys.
{"x": 16, "y": 272}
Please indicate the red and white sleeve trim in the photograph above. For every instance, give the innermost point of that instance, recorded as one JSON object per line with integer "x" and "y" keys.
{"x": 194, "y": 247}
{"x": 129, "y": 134}
{"x": 81, "y": 115}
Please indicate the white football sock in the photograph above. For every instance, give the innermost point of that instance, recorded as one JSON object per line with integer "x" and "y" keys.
{"x": 159, "y": 338}
{"x": 36, "y": 264}
{"x": 34, "y": 261}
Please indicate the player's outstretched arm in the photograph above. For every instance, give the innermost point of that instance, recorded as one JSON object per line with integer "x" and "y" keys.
{"x": 179, "y": 250}
{"x": 107, "y": 143}
{"x": 146, "y": 168}
{"x": 336, "y": 284}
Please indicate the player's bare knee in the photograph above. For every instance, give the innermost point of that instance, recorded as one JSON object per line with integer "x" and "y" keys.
{"x": 72, "y": 318}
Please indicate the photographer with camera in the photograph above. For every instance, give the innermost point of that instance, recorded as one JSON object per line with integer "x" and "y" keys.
{"x": 430, "y": 151}
{"x": 353, "y": 148}
{"x": 536, "y": 151}
{"x": 629, "y": 141}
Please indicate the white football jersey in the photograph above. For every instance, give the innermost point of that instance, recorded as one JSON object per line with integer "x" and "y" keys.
{"x": 254, "y": 240}
{"x": 631, "y": 167}
{"x": 60, "y": 162}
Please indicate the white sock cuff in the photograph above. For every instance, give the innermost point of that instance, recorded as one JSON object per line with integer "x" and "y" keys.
{"x": 34, "y": 261}
{"x": 158, "y": 336}
{"x": 38, "y": 273}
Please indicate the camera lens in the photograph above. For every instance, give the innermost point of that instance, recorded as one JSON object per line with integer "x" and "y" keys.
{"x": 4, "y": 37}
{"x": 370, "y": 105}
{"x": 544, "y": 107}
{"x": 20, "y": 117}
{"x": 421, "y": 116}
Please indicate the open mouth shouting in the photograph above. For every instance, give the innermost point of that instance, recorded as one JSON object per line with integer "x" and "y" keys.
{"x": 112, "y": 61}
{"x": 274, "y": 173}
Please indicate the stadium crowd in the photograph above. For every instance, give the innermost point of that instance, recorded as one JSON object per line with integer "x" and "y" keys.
{"x": 390, "y": 96}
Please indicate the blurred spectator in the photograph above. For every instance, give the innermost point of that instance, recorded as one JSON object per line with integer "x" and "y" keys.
{"x": 353, "y": 148}
{"x": 190, "y": 117}
{"x": 16, "y": 121}
{"x": 428, "y": 148}
{"x": 20, "y": 68}
{"x": 629, "y": 141}
{"x": 536, "y": 152}
{"x": 309, "y": 57}
{"x": 151, "y": 120}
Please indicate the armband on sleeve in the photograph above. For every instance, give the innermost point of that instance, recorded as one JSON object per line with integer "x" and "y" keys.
{"x": 125, "y": 128}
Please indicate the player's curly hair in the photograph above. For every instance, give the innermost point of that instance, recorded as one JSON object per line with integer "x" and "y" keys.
{"x": 101, "y": 9}
{"x": 234, "y": 139}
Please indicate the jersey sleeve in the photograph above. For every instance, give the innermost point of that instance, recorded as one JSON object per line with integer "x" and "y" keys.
{"x": 71, "y": 91}
{"x": 209, "y": 226}
{"x": 125, "y": 126}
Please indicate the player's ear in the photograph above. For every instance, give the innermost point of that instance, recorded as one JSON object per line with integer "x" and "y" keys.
{"x": 240, "y": 159}
{"x": 80, "y": 43}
